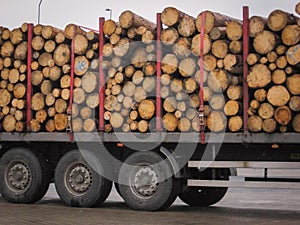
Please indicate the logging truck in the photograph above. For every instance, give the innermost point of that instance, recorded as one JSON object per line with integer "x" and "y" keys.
{"x": 161, "y": 110}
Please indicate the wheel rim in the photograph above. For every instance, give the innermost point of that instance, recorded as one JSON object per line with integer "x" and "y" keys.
{"x": 18, "y": 176}
{"x": 78, "y": 179}
{"x": 144, "y": 182}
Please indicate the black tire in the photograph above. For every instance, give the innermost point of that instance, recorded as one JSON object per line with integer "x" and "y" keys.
{"x": 24, "y": 176}
{"x": 77, "y": 183}
{"x": 117, "y": 187}
{"x": 205, "y": 196}
{"x": 159, "y": 194}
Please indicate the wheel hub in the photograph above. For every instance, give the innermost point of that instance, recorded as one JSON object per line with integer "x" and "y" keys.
{"x": 145, "y": 181}
{"x": 80, "y": 179}
{"x": 18, "y": 176}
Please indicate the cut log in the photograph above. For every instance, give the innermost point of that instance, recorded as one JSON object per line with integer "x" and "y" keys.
{"x": 54, "y": 73}
{"x": 41, "y": 116}
{"x": 278, "y": 95}
{"x": 50, "y": 100}
{"x": 264, "y": 42}
{"x": 86, "y": 112}
{"x": 176, "y": 85}
{"x": 195, "y": 48}
{"x": 89, "y": 82}
{"x": 281, "y": 49}
{"x": 170, "y": 104}
{"x": 170, "y": 122}
{"x": 49, "y": 46}
{"x": 235, "y": 123}
{"x": 169, "y": 63}
{"x": 37, "y": 101}
{"x": 116, "y": 120}
{"x": 59, "y": 37}
{"x": 291, "y": 35}
{"x": 182, "y": 47}
{"x": 278, "y": 76}
{"x": 256, "y": 25}
{"x": 233, "y": 63}
{"x": 212, "y": 19}
{"x": 20, "y": 126}
{"x": 218, "y": 81}
{"x": 252, "y": 58}
{"x": 80, "y": 44}
{"x": 217, "y": 33}
{"x": 186, "y": 26}
{"x": 122, "y": 47}
{"x": 190, "y": 85}
{"x": 21, "y": 51}
{"x": 272, "y": 56}
{"x": 281, "y": 62}
{"x": 217, "y": 102}
{"x": 231, "y": 108}
{"x": 65, "y": 94}
{"x": 236, "y": 47}
{"x": 60, "y": 121}
{"x": 293, "y": 84}
{"x": 235, "y": 92}
{"x": 61, "y": 55}
{"x": 278, "y": 19}
{"x": 255, "y": 123}
{"x": 77, "y": 124}
{"x": 269, "y": 125}
{"x": 283, "y": 115}
{"x": 129, "y": 19}
{"x": 187, "y": 67}
{"x": 46, "y": 87}
{"x": 234, "y": 30}
{"x": 60, "y": 106}
{"x": 81, "y": 65}
{"x": 169, "y": 36}
{"x": 210, "y": 62}
{"x": 266, "y": 110}
{"x": 35, "y": 125}
{"x": 259, "y": 76}
{"x": 78, "y": 95}
{"x": 296, "y": 123}
{"x": 149, "y": 84}
{"x": 7, "y": 49}
{"x": 293, "y": 55}
{"x": 184, "y": 124}
{"x": 109, "y": 27}
{"x": 92, "y": 100}
{"x": 294, "y": 103}
{"x": 9, "y": 123}
{"x": 216, "y": 121}
{"x": 16, "y": 36}
{"x": 143, "y": 126}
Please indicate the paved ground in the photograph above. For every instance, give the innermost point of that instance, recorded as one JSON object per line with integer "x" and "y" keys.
{"x": 240, "y": 206}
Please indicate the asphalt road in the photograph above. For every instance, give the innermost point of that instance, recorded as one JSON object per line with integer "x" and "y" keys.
{"x": 239, "y": 206}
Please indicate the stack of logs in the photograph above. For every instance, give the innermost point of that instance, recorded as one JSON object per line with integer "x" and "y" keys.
{"x": 274, "y": 78}
{"x": 50, "y": 78}
{"x": 13, "y": 68}
{"x": 130, "y": 67}
{"x": 222, "y": 49}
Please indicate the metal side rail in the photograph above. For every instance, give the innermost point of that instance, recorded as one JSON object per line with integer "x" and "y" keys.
{"x": 244, "y": 181}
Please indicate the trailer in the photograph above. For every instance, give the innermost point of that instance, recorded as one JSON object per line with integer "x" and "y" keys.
{"x": 149, "y": 170}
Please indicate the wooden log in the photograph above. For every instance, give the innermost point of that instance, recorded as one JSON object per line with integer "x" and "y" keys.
{"x": 278, "y": 95}
{"x": 149, "y": 84}
{"x": 176, "y": 85}
{"x": 294, "y": 103}
{"x": 234, "y": 30}
{"x": 264, "y": 42}
{"x": 293, "y": 84}
{"x": 233, "y": 63}
{"x": 255, "y": 123}
{"x": 41, "y": 116}
{"x": 169, "y": 36}
{"x": 296, "y": 123}
{"x": 186, "y": 26}
{"x": 182, "y": 47}
{"x": 122, "y": 47}
{"x": 281, "y": 62}
{"x": 78, "y": 95}
{"x": 290, "y": 35}
{"x": 139, "y": 94}
{"x": 190, "y": 85}
{"x": 256, "y": 25}
{"x": 50, "y": 46}
{"x": 129, "y": 19}
{"x": 7, "y": 49}
{"x": 16, "y": 36}
{"x": 216, "y": 121}
{"x": 60, "y": 106}
{"x": 148, "y": 37}
{"x": 35, "y": 125}
{"x": 86, "y": 112}
{"x": 252, "y": 59}
{"x": 217, "y": 33}
{"x": 254, "y": 104}
{"x": 170, "y": 122}
{"x": 260, "y": 95}
{"x": 21, "y": 51}
{"x": 146, "y": 109}
{"x": 92, "y": 100}
{"x": 116, "y": 89}
{"x": 50, "y": 99}
{"x": 80, "y": 44}
{"x": 143, "y": 126}
{"x": 210, "y": 62}
{"x": 234, "y": 92}
{"x": 187, "y": 67}
{"x": 37, "y": 101}
{"x": 278, "y": 19}
{"x": 278, "y": 76}
{"x": 212, "y": 19}
{"x": 272, "y": 56}
{"x": 5, "y": 97}
{"x": 269, "y": 125}
{"x": 89, "y": 82}
{"x": 259, "y": 76}
{"x": 169, "y": 64}
{"x": 170, "y": 104}
{"x": 60, "y": 121}
{"x": 9, "y": 123}
{"x": 46, "y": 87}
{"x": 149, "y": 68}
{"x": 54, "y": 73}
{"x": 235, "y": 123}
{"x": 195, "y": 47}
{"x": 236, "y": 47}
{"x": 293, "y": 55}
{"x": 218, "y": 81}
{"x": 109, "y": 27}
{"x": 266, "y": 110}
{"x": 62, "y": 55}
{"x": 65, "y": 94}
{"x": 116, "y": 120}
{"x": 232, "y": 108}
{"x": 283, "y": 115}
{"x": 184, "y": 124}
{"x": 59, "y": 37}
{"x": 217, "y": 102}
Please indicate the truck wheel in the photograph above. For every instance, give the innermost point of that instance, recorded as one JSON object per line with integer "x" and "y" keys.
{"x": 77, "y": 183}
{"x": 117, "y": 187}
{"x": 24, "y": 176}
{"x": 205, "y": 196}
{"x": 146, "y": 185}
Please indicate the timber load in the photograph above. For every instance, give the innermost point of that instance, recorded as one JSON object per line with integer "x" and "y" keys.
{"x": 134, "y": 75}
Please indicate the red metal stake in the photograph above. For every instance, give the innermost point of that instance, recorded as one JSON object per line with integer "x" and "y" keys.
{"x": 245, "y": 65}
{"x": 158, "y": 72}
{"x": 69, "y": 128}
{"x": 29, "y": 87}
{"x": 201, "y": 64}
{"x": 101, "y": 75}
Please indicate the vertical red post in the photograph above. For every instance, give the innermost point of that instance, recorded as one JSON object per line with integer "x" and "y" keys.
{"x": 101, "y": 75}
{"x": 71, "y": 89}
{"x": 201, "y": 65}
{"x": 245, "y": 65}
{"x": 29, "y": 87}
{"x": 158, "y": 72}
